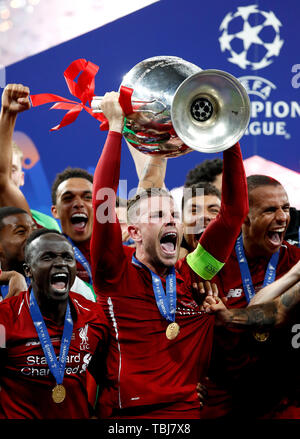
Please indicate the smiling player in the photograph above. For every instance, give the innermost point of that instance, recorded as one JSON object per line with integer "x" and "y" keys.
{"x": 39, "y": 378}
{"x": 72, "y": 205}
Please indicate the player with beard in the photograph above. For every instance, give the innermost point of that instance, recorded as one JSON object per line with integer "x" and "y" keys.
{"x": 200, "y": 203}
{"x": 51, "y": 335}
{"x": 160, "y": 342}
{"x": 247, "y": 364}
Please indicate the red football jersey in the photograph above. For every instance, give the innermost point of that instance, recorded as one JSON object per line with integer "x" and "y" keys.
{"x": 230, "y": 276}
{"x": 253, "y": 367}
{"x": 145, "y": 369}
{"x": 25, "y": 379}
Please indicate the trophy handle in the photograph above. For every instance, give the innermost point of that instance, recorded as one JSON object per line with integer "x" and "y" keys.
{"x": 140, "y": 106}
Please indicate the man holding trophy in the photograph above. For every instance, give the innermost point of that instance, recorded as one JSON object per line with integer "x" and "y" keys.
{"x": 161, "y": 339}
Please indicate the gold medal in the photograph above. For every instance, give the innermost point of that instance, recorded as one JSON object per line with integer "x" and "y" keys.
{"x": 261, "y": 336}
{"x": 58, "y": 393}
{"x": 172, "y": 331}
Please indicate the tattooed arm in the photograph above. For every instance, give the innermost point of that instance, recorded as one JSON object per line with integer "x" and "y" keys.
{"x": 259, "y": 316}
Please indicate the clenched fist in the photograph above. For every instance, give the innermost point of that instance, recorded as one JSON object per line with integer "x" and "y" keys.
{"x": 15, "y": 98}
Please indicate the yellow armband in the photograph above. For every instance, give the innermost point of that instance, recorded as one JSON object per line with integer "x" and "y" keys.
{"x": 203, "y": 263}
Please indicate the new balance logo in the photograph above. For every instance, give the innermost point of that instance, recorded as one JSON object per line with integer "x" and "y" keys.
{"x": 234, "y": 292}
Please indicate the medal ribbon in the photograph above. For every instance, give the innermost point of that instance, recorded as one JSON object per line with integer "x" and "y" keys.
{"x": 166, "y": 302}
{"x": 83, "y": 89}
{"x": 57, "y": 368}
{"x": 245, "y": 272}
{"x": 79, "y": 256}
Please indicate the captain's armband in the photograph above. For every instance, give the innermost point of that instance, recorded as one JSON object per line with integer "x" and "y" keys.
{"x": 203, "y": 263}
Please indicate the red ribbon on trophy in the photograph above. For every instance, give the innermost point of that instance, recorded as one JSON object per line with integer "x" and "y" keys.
{"x": 83, "y": 89}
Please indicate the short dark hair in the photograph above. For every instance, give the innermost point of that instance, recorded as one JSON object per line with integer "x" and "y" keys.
{"x": 191, "y": 191}
{"x": 9, "y": 210}
{"x": 258, "y": 180}
{"x": 146, "y": 193}
{"x": 205, "y": 171}
{"x": 65, "y": 175}
{"x": 36, "y": 234}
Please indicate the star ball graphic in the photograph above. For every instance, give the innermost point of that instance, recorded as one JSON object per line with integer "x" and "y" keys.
{"x": 251, "y": 37}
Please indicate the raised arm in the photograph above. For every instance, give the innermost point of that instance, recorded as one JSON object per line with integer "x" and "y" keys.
{"x": 150, "y": 169}
{"x": 107, "y": 251}
{"x": 218, "y": 239}
{"x": 15, "y": 99}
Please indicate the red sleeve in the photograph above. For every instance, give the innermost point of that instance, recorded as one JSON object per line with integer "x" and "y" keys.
{"x": 220, "y": 235}
{"x": 106, "y": 241}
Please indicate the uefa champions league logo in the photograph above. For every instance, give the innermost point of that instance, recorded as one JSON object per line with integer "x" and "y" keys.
{"x": 251, "y": 37}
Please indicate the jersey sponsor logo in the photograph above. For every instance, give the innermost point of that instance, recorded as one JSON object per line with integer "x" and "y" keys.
{"x": 34, "y": 363}
{"x": 84, "y": 346}
{"x": 234, "y": 292}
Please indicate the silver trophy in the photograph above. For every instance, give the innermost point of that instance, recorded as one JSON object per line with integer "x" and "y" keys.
{"x": 179, "y": 108}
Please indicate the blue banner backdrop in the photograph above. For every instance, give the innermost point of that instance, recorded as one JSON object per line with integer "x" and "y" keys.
{"x": 253, "y": 40}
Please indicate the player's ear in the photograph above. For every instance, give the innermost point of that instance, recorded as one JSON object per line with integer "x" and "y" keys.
{"x": 134, "y": 233}
{"x": 54, "y": 211}
{"x": 27, "y": 270}
{"x": 247, "y": 221}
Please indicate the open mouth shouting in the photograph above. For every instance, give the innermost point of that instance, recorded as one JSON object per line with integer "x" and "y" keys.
{"x": 168, "y": 243}
{"x": 60, "y": 282}
{"x": 276, "y": 236}
{"x": 79, "y": 221}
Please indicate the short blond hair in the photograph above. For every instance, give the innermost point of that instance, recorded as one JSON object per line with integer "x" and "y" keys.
{"x": 17, "y": 150}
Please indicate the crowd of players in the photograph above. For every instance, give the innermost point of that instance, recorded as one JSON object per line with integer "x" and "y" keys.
{"x": 146, "y": 309}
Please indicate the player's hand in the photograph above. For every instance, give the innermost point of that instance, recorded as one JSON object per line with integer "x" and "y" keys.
{"x": 203, "y": 289}
{"x": 113, "y": 112}
{"x": 212, "y": 304}
{"x": 15, "y": 98}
